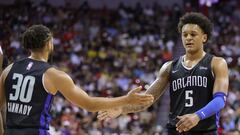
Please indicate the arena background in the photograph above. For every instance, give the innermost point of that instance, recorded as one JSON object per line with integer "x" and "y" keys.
{"x": 110, "y": 46}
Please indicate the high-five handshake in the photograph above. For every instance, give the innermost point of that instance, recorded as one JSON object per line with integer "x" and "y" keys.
{"x": 134, "y": 97}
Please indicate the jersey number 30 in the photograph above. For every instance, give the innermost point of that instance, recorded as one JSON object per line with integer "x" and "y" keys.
{"x": 23, "y": 88}
{"x": 189, "y": 98}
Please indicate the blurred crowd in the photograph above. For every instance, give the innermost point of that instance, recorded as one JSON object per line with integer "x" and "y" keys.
{"x": 109, "y": 51}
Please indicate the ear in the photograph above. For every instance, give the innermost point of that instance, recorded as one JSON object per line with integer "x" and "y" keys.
{"x": 204, "y": 38}
{"x": 47, "y": 46}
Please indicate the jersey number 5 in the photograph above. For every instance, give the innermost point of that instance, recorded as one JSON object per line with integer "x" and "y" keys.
{"x": 23, "y": 88}
{"x": 189, "y": 98}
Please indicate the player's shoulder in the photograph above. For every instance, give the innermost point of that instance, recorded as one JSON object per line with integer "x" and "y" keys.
{"x": 168, "y": 64}
{"x": 52, "y": 71}
{"x": 7, "y": 70}
{"x": 166, "y": 68}
{"x": 217, "y": 58}
{"x": 55, "y": 74}
{"x": 56, "y": 79}
{"x": 218, "y": 62}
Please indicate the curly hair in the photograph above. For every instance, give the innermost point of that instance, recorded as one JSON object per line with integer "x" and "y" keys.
{"x": 199, "y": 19}
{"x": 36, "y": 37}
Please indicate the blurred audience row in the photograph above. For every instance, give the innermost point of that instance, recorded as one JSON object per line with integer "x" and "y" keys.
{"x": 107, "y": 52}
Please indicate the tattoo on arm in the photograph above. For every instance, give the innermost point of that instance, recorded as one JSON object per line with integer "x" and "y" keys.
{"x": 156, "y": 89}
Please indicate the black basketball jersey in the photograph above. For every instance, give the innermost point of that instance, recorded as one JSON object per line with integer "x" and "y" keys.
{"x": 28, "y": 103}
{"x": 190, "y": 90}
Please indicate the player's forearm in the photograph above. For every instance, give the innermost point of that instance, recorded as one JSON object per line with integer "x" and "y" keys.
{"x": 133, "y": 108}
{"x": 216, "y": 104}
{"x": 99, "y": 103}
{"x": 93, "y": 104}
{"x": 156, "y": 89}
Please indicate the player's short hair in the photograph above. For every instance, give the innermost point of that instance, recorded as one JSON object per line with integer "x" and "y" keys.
{"x": 199, "y": 19}
{"x": 36, "y": 37}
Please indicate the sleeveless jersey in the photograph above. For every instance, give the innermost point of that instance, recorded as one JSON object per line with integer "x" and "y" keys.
{"x": 190, "y": 90}
{"x": 28, "y": 103}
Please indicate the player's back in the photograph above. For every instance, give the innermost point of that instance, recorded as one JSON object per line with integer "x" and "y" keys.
{"x": 190, "y": 90}
{"x": 28, "y": 103}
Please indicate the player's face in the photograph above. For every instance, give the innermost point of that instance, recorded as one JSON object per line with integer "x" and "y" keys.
{"x": 193, "y": 38}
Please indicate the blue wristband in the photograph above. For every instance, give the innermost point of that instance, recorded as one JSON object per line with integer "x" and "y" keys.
{"x": 212, "y": 107}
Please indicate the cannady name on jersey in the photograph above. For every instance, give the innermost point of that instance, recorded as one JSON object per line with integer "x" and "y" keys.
{"x": 183, "y": 82}
{"x": 19, "y": 108}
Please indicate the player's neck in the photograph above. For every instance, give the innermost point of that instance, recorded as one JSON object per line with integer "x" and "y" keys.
{"x": 39, "y": 56}
{"x": 194, "y": 56}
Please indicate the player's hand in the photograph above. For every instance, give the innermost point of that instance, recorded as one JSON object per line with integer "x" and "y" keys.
{"x": 109, "y": 114}
{"x": 136, "y": 98}
{"x": 187, "y": 122}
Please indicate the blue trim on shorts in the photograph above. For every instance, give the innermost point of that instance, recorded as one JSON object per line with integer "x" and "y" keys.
{"x": 45, "y": 116}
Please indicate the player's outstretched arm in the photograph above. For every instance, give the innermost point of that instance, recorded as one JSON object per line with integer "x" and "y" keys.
{"x": 57, "y": 80}
{"x": 156, "y": 89}
{"x": 220, "y": 90}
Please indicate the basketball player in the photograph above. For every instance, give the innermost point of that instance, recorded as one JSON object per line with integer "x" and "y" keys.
{"x": 28, "y": 86}
{"x": 198, "y": 83}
